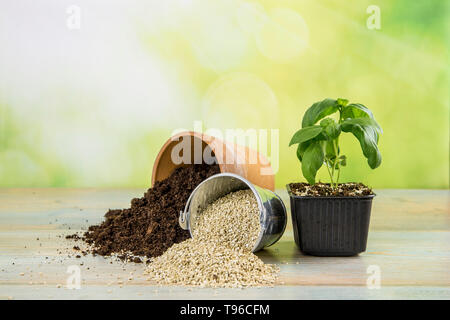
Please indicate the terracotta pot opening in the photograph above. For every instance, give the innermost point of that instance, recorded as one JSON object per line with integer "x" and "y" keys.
{"x": 202, "y": 148}
{"x": 166, "y": 163}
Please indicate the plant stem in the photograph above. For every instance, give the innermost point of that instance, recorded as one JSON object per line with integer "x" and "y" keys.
{"x": 329, "y": 172}
{"x": 336, "y": 149}
{"x": 337, "y": 146}
{"x": 337, "y": 180}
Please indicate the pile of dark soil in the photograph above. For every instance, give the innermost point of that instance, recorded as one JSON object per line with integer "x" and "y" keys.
{"x": 350, "y": 189}
{"x": 150, "y": 226}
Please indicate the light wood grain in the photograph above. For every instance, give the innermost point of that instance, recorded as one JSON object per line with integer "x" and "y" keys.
{"x": 409, "y": 240}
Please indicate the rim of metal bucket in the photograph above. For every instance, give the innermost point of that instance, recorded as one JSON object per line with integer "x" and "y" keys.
{"x": 285, "y": 220}
{"x": 232, "y": 175}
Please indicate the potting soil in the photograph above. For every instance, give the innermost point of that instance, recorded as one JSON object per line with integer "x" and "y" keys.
{"x": 150, "y": 226}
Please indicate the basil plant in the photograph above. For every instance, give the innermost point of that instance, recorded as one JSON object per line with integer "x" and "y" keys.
{"x": 318, "y": 144}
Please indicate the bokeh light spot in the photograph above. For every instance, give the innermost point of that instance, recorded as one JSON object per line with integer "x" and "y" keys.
{"x": 251, "y": 17}
{"x": 240, "y": 100}
{"x": 284, "y": 36}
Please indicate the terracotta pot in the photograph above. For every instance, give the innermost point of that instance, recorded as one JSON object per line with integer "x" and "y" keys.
{"x": 230, "y": 157}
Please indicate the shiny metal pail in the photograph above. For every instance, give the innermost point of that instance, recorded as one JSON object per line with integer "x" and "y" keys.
{"x": 272, "y": 212}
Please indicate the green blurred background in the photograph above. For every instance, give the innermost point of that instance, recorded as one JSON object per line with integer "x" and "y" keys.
{"x": 90, "y": 107}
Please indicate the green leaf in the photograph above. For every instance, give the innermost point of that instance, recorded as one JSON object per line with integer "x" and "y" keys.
{"x": 331, "y": 129}
{"x": 367, "y": 131}
{"x": 318, "y": 111}
{"x": 302, "y": 148}
{"x": 342, "y": 160}
{"x": 305, "y": 134}
{"x": 312, "y": 161}
{"x": 356, "y": 110}
{"x": 330, "y": 151}
{"x": 330, "y": 155}
{"x": 342, "y": 102}
{"x": 368, "y": 122}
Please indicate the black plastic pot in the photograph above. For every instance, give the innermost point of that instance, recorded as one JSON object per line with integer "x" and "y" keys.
{"x": 331, "y": 226}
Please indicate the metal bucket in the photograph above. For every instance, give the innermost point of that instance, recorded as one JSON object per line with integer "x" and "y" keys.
{"x": 272, "y": 212}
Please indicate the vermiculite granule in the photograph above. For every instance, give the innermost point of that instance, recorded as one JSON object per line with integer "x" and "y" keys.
{"x": 196, "y": 263}
{"x": 150, "y": 226}
{"x": 232, "y": 219}
{"x": 220, "y": 254}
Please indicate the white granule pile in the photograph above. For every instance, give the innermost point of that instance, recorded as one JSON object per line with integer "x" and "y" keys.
{"x": 232, "y": 219}
{"x": 220, "y": 254}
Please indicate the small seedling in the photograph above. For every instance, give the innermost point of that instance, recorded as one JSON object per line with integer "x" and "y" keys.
{"x": 319, "y": 144}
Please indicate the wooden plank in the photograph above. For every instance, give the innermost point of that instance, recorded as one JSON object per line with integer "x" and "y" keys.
{"x": 408, "y": 240}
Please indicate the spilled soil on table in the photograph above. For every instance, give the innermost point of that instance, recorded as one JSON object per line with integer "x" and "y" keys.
{"x": 150, "y": 226}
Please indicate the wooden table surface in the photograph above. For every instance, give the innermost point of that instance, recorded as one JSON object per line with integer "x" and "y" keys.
{"x": 409, "y": 243}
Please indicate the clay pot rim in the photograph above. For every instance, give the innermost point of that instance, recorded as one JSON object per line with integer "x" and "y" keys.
{"x": 175, "y": 138}
{"x": 213, "y": 142}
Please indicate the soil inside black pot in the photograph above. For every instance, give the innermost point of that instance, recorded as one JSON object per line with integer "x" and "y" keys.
{"x": 349, "y": 189}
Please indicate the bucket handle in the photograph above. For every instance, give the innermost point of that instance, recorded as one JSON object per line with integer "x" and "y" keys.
{"x": 182, "y": 220}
